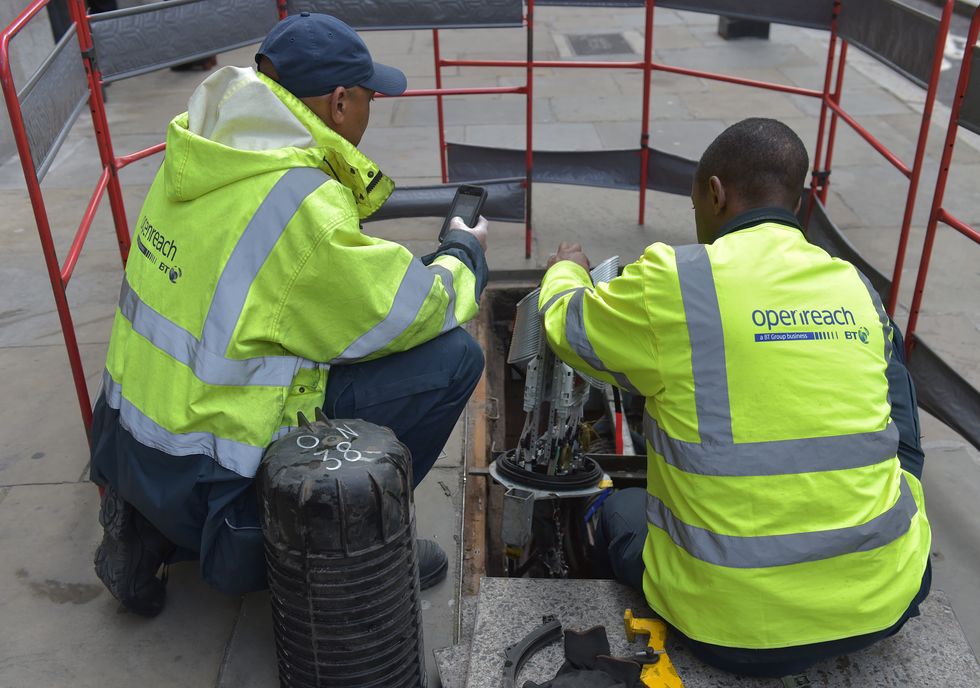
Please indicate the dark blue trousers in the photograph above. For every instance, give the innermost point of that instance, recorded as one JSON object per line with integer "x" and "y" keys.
{"x": 211, "y": 513}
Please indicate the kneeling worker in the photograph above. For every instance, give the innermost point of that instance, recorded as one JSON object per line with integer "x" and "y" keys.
{"x": 254, "y": 295}
{"x": 783, "y": 521}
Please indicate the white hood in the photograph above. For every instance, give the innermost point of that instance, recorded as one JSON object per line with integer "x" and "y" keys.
{"x": 234, "y": 108}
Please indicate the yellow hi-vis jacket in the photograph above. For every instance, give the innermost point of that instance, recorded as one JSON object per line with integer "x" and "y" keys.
{"x": 250, "y": 276}
{"x": 778, "y": 512}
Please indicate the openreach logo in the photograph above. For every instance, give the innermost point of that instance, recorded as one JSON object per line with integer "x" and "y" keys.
{"x": 165, "y": 250}
{"x": 833, "y": 324}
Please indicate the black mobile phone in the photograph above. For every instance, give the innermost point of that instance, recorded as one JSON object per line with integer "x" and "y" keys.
{"x": 467, "y": 204}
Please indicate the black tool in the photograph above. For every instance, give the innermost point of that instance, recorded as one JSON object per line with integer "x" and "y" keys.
{"x": 467, "y": 205}
{"x": 517, "y": 654}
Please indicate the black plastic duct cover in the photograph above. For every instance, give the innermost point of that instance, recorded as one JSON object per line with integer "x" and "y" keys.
{"x": 339, "y": 527}
{"x": 613, "y": 169}
{"x": 505, "y": 201}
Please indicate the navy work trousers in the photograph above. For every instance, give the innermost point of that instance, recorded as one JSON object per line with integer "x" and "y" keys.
{"x": 211, "y": 513}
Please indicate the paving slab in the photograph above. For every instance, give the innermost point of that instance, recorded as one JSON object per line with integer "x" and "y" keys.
{"x": 61, "y": 628}
{"x": 687, "y": 138}
{"x": 41, "y": 436}
{"x": 559, "y": 136}
{"x": 510, "y": 608}
{"x": 930, "y": 651}
{"x": 737, "y": 102}
{"x": 722, "y": 56}
{"x": 469, "y": 111}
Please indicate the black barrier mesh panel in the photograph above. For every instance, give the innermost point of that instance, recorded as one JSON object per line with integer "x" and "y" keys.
{"x": 941, "y": 390}
{"x": 613, "y": 169}
{"x": 52, "y": 100}
{"x": 944, "y": 393}
{"x": 812, "y": 13}
{"x": 900, "y": 36}
{"x": 970, "y": 113}
{"x": 505, "y": 201}
{"x": 142, "y": 39}
{"x": 417, "y": 14}
{"x": 822, "y": 232}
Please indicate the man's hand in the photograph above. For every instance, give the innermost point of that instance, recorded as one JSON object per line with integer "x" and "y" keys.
{"x": 479, "y": 232}
{"x": 572, "y": 252}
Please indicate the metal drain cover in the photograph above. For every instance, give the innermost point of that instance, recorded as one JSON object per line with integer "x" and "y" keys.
{"x": 585, "y": 44}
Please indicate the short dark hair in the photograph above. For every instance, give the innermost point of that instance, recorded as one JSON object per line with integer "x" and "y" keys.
{"x": 761, "y": 160}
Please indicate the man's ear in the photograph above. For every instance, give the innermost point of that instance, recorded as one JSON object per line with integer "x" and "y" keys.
{"x": 718, "y": 198}
{"x": 799, "y": 204}
{"x": 338, "y": 105}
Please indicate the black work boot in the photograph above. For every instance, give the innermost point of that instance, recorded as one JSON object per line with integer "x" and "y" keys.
{"x": 432, "y": 563}
{"x": 130, "y": 555}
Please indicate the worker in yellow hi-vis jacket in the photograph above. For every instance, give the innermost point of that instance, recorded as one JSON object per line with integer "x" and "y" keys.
{"x": 252, "y": 295}
{"x": 783, "y": 520}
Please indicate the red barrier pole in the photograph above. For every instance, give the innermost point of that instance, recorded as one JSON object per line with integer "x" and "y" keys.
{"x": 818, "y": 174}
{"x": 437, "y": 57}
{"x": 645, "y": 119}
{"x": 832, "y": 136}
{"x": 920, "y": 154}
{"x": 124, "y": 160}
{"x": 76, "y": 246}
{"x": 529, "y": 143}
{"x": 283, "y": 9}
{"x": 936, "y": 213}
{"x": 40, "y": 212}
{"x": 101, "y": 125}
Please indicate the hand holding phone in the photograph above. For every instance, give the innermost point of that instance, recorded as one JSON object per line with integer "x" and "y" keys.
{"x": 467, "y": 205}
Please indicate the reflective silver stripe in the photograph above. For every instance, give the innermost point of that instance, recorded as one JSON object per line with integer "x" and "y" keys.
{"x": 414, "y": 289}
{"x": 707, "y": 344}
{"x": 765, "y": 551}
{"x": 447, "y": 284}
{"x": 239, "y": 457}
{"x": 551, "y": 301}
{"x": 253, "y": 248}
{"x": 833, "y": 453}
{"x": 578, "y": 339}
{"x": 208, "y": 366}
{"x": 206, "y": 356}
{"x": 882, "y": 314}
{"x": 886, "y": 325}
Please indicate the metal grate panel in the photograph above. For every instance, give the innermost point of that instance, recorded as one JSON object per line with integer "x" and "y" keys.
{"x": 417, "y": 14}
{"x": 143, "y": 39}
{"x": 52, "y": 100}
{"x": 970, "y": 111}
{"x": 811, "y": 13}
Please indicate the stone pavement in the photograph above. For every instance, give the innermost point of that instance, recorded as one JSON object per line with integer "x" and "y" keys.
{"x": 60, "y": 628}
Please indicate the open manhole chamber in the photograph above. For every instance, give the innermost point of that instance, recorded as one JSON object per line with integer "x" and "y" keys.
{"x": 537, "y": 519}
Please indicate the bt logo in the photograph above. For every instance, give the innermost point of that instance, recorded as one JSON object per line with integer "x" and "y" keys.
{"x": 862, "y": 335}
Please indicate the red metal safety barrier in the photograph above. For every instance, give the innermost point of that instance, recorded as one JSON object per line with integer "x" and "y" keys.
{"x": 937, "y": 212}
{"x": 648, "y": 65}
{"x": 831, "y": 102}
{"x": 108, "y": 182}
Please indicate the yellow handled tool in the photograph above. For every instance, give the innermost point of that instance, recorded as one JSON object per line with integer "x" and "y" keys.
{"x": 660, "y": 674}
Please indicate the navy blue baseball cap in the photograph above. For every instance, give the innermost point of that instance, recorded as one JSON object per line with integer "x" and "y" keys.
{"x": 315, "y": 53}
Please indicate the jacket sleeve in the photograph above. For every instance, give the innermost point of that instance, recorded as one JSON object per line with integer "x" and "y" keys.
{"x": 358, "y": 298}
{"x": 905, "y": 409}
{"x": 603, "y": 331}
